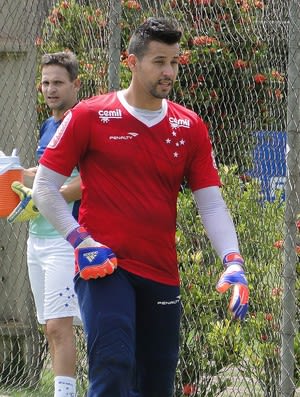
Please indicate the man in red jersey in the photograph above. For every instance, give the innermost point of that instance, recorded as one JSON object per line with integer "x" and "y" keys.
{"x": 134, "y": 149}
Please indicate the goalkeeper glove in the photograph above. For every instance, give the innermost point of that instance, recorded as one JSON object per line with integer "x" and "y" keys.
{"x": 234, "y": 276}
{"x": 25, "y": 210}
{"x": 92, "y": 259}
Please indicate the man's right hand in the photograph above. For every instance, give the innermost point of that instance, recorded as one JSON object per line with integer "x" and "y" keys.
{"x": 92, "y": 259}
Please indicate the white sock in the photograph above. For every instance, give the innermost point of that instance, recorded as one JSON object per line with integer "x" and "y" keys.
{"x": 64, "y": 386}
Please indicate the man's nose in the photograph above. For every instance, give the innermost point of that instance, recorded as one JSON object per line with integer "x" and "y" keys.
{"x": 168, "y": 71}
{"x": 51, "y": 87}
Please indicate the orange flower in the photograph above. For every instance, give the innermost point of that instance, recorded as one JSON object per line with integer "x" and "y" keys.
{"x": 65, "y": 4}
{"x": 89, "y": 66}
{"x": 204, "y": 40}
{"x": 277, "y": 76}
{"x": 133, "y": 5}
{"x": 201, "y": 2}
{"x": 260, "y": 78}
{"x": 259, "y": 4}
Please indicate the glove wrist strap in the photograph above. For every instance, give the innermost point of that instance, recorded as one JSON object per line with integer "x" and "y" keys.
{"x": 233, "y": 258}
{"x": 76, "y": 236}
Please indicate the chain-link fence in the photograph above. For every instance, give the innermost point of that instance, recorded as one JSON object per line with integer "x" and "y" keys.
{"x": 239, "y": 70}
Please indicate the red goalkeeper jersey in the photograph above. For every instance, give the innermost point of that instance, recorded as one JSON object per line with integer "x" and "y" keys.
{"x": 132, "y": 170}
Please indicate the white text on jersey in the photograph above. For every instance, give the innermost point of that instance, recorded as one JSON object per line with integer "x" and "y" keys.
{"x": 106, "y": 115}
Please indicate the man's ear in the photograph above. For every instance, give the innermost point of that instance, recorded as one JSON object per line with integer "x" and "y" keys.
{"x": 131, "y": 61}
{"x": 77, "y": 83}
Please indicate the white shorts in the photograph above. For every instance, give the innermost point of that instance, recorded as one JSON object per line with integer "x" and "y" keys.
{"x": 51, "y": 270}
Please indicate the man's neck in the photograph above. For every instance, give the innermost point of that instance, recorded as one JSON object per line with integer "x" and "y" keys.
{"x": 58, "y": 114}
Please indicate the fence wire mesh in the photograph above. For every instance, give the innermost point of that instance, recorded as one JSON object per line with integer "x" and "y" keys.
{"x": 239, "y": 70}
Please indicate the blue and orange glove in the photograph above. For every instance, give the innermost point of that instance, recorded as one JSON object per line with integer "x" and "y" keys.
{"x": 234, "y": 276}
{"x": 92, "y": 259}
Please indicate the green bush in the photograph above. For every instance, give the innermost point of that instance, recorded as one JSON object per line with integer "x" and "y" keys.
{"x": 211, "y": 341}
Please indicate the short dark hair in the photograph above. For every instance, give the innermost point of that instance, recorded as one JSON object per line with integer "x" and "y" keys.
{"x": 153, "y": 29}
{"x": 66, "y": 59}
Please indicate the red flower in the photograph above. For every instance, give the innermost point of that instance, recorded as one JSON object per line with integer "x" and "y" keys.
{"x": 214, "y": 95}
{"x": 268, "y": 316}
{"x": 276, "y": 291}
{"x": 240, "y": 64}
{"x": 245, "y": 178}
{"x": 278, "y": 244}
{"x": 184, "y": 58}
{"x": 39, "y": 41}
{"x": 278, "y": 93}
{"x": 260, "y": 78}
{"x": 173, "y": 3}
{"x": 189, "y": 389}
{"x": 224, "y": 17}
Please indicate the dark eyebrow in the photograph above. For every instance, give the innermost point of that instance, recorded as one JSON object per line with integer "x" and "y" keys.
{"x": 164, "y": 57}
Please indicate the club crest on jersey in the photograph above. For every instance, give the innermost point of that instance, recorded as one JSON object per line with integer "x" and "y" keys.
{"x": 106, "y": 115}
{"x": 60, "y": 131}
{"x": 176, "y": 123}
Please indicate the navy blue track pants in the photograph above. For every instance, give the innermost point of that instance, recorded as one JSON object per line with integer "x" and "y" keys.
{"x": 132, "y": 330}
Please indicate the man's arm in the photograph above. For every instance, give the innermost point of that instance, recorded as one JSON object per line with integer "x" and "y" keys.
{"x": 221, "y": 232}
{"x": 72, "y": 191}
{"x": 216, "y": 220}
{"x": 50, "y": 202}
{"x": 92, "y": 259}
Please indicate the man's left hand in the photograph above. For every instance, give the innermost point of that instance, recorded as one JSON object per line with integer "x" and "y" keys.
{"x": 234, "y": 276}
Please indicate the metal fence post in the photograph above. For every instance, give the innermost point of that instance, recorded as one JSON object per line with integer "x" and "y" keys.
{"x": 289, "y": 307}
{"x": 114, "y": 50}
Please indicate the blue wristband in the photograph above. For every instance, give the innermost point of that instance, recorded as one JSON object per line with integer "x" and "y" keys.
{"x": 76, "y": 236}
{"x": 233, "y": 258}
